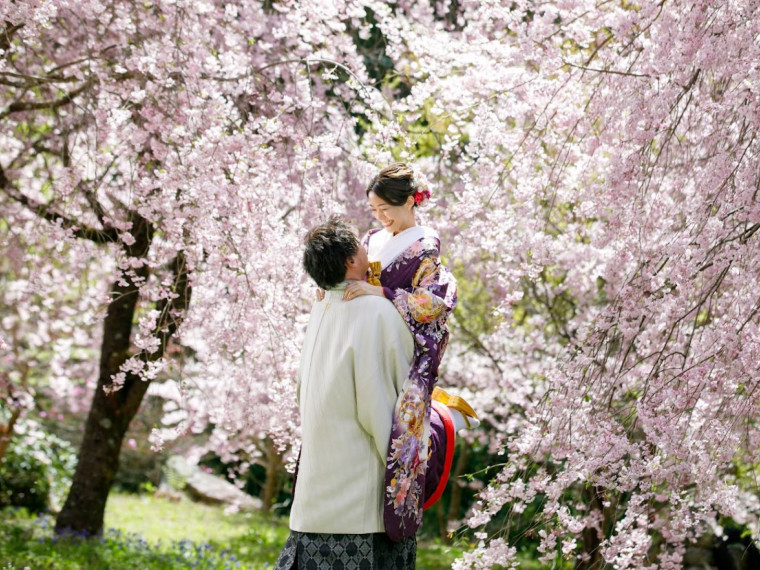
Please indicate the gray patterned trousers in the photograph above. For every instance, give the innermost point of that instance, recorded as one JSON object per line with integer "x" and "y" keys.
{"x": 312, "y": 551}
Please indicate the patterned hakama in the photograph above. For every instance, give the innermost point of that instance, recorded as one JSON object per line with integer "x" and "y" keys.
{"x": 312, "y": 551}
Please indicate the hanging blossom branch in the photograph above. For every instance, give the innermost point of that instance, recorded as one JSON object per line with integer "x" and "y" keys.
{"x": 170, "y": 312}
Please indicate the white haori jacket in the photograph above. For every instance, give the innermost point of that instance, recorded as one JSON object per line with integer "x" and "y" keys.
{"x": 354, "y": 363}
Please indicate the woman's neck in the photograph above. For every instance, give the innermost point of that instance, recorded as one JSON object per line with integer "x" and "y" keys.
{"x": 405, "y": 228}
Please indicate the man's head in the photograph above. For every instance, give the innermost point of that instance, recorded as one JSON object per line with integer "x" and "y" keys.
{"x": 333, "y": 254}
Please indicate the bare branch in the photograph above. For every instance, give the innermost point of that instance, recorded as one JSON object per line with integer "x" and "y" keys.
{"x": 89, "y": 194}
{"x": 479, "y": 346}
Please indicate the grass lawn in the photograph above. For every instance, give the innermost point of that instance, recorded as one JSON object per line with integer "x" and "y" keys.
{"x": 145, "y": 531}
{"x": 160, "y": 521}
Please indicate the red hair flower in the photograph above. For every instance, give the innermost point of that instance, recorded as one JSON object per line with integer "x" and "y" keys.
{"x": 423, "y": 190}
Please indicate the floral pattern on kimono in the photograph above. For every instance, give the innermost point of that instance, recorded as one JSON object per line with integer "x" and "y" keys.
{"x": 424, "y": 293}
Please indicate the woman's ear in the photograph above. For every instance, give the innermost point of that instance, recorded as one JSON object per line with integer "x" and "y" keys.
{"x": 409, "y": 202}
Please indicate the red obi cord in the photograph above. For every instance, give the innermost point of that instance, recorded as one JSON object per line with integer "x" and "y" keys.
{"x": 448, "y": 425}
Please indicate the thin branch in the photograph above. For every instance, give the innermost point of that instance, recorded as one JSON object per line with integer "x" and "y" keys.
{"x": 34, "y": 79}
{"x": 479, "y": 345}
{"x": 19, "y": 106}
{"x": 610, "y": 71}
{"x": 7, "y": 34}
{"x": 89, "y": 194}
{"x": 43, "y": 211}
{"x": 172, "y": 313}
{"x": 306, "y": 62}
{"x": 84, "y": 59}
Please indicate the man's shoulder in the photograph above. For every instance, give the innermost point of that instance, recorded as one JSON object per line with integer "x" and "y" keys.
{"x": 372, "y": 308}
{"x": 375, "y": 303}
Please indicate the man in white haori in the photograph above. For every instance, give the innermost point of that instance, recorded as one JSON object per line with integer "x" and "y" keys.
{"x": 355, "y": 359}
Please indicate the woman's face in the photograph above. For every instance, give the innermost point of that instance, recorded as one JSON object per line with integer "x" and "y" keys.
{"x": 395, "y": 219}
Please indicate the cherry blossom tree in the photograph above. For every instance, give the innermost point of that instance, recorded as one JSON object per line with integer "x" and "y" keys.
{"x": 595, "y": 170}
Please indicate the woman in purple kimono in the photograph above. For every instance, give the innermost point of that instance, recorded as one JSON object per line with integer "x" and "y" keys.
{"x": 406, "y": 269}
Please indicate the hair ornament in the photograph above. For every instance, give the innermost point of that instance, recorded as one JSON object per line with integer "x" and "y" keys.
{"x": 422, "y": 191}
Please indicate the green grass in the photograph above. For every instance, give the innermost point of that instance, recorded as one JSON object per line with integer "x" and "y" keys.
{"x": 159, "y": 520}
{"x": 149, "y": 532}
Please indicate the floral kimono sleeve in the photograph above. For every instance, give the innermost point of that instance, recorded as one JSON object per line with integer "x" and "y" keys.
{"x": 430, "y": 298}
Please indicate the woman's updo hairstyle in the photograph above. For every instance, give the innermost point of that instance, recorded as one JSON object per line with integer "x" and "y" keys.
{"x": 395, "y": 183}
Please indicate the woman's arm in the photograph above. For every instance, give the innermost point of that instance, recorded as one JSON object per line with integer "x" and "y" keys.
{"x": 358, "y": 288}
{"x": 431, "y": 296}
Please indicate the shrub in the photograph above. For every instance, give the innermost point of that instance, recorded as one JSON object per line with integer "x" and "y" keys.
{"x": 23, "y": 481}
{"x": 36, "y": 470}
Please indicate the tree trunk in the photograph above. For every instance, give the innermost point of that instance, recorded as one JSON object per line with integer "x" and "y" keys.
{"x": 592, "y": 538}
{"x": 272, "y": 481}
{"x": 6, "y": 432}
{"x": 111, "y": 413}
{"x": 107, "y": 422}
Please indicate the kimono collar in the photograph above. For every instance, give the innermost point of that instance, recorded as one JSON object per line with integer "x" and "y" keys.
{"x": 398, "y": 244}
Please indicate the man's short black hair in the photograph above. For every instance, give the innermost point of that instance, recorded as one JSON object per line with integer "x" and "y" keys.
{"x": 328, "y": 247}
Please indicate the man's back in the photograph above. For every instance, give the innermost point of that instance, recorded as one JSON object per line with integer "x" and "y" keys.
{"x": 355, "y": 359}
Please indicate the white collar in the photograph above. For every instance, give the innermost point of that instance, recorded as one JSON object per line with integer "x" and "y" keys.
{"x": 390, "y": 246}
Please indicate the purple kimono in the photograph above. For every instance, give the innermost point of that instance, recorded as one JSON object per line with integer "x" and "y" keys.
{"x": 424, "y": 292}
